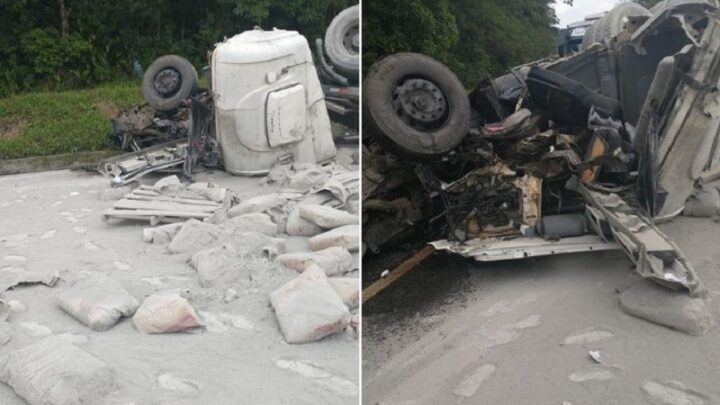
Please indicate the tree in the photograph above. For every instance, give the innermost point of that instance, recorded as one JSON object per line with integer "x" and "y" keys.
{"x": 475, "y": 38}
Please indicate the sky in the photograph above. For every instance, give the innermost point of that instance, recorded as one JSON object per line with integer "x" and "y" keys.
{"x": 580, "y": 9}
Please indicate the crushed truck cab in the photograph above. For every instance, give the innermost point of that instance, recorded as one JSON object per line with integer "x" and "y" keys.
{"x": 269, "y": 105}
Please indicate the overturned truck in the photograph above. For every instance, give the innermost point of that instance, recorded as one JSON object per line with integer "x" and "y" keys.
{"x": 583, "y": 153}
{"x": 269, "y": 100}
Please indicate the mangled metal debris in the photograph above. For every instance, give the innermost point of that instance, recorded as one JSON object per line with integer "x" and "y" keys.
{"x": 578, "y": 154}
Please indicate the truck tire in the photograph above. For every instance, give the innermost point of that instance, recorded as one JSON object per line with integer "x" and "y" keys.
{"x": 613, "y": 22}
{"x": 415, "y": 106}
{"x": 342, "y": 42}
{"x": 168, "y": 81}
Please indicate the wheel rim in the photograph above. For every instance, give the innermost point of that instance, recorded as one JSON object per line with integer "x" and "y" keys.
{"x": 351, "y": 40}
{"x": 420, "y": 104}
{"x": 167, "y": 82}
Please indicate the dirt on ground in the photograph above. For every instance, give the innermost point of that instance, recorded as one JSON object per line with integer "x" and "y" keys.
{"x": 108, "y": 109}
{"x": 543, "y": 331}
{"x": 51, "y": 221}
{"x": 11, "y": 128}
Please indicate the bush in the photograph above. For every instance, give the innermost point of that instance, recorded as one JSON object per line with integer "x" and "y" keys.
{"x": 59, "y": 64}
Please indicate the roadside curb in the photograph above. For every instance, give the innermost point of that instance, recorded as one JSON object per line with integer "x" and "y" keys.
{"x": 54, "y": 162}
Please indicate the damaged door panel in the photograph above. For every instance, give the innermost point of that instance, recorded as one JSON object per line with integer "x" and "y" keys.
{"x": 688, "y": 142}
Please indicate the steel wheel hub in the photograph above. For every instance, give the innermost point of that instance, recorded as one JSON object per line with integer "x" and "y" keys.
{"x": 167, "y": 81}
{"x": 351, "y": 39}
{"x": 420, "y": 103}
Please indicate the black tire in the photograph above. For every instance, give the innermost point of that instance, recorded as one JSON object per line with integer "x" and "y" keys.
{"x": 168, "y": 81}
{"x": 389, "y": 124}
{"x": 341, "y": 42}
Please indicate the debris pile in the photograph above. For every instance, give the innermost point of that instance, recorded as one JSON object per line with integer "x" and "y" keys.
{"x": 582, "y": 153}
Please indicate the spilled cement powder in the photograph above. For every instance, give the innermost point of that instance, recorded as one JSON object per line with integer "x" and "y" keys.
{"x": 671, "y": 393}
{"x": 580, "y": 377}
{"x": 469, "y": 386}
{"x": 589, "y": 335}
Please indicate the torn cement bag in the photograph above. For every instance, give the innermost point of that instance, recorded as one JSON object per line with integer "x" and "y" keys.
{"x": 254, "y": 244}
{"x": 253, "y": 222}
{"x": 298, "y": 226}
{"x": 97, "y": 301}
{"x": 261, "y": 203}
{"x": 166, "y": 313}
{"x": 308, "y": 308}
{"x": 228, "y": 264}
{"x": 161, "y": 234}
{"x": 54, "y": 372}
{"x": 195, "y": 235}
{"x": 327, "y": 217}
{"x": 12, "y": 276}
{"x": 333, "y": 260}
{"x": 210, "y": 191}
{"x": 346, "y": 237}
{"x": 348, "y": 288}
{"x": 307, "y": 179}
{"x": 704, "y": 202}
{"x": 673, "y": 309}
{"x": 167, "y": 183}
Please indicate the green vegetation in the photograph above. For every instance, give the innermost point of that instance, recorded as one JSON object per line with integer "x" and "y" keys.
{"x": 48, "y": 123}
{"x": 475, "y": 38}
{"x": 69, "y": 44}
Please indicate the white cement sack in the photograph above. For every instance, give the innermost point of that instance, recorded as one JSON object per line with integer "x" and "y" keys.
{"x": 348, "y": 288}
{"x": 298, "y": 226}
{"x": 97, "y": 301}
{"x": 327, "y": 217}
{"x": 168, "y": 183}
{"x": 333, "y": 260}
{"x": 260, "y": 203}
{"x": 308, "y": 308}
{"x": 253, "y": 222}
{"x": 54, "y": 372}
{"x": 161, "y": 234}
{"x": 166, "y": 313}
{"x": 307, "y": 179}
{"x": 346, "y": 237}
{"x": 195, "y": 235}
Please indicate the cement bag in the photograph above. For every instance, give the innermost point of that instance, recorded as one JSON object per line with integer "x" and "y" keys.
{"x": 161, "y": 234}
{"x": 165, "y": 313}
{"x": 334, "y": 260}
{"x": 254, "y": 222}
{"x": 195, "y": 235}
{"x": 260, "y": 203}
{"x": 346, "y": 237}
{"x": 97, "y": 301}
{"x": 327, "y": 217}
{"x": 54, "y": 372}
{"x": 307, "y": 308}
{"x": 348, "y": 288}
{"x": 298, "y": 226}
{"x": 227, "y": 265}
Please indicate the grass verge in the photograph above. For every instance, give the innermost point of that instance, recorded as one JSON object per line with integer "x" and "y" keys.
{"x": 49, "y": 123}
